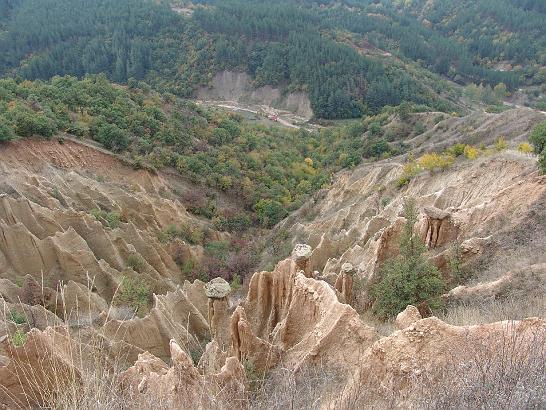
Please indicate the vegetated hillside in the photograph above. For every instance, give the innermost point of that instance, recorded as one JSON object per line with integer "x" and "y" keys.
{"x": 266, "y": 172}
{"x": 310, "y": 46}
{"x": 93, "y": 237}
{"x": 452, "y": 36}
{"x": 479, "y": 197}
{"x": 493, "y": 31}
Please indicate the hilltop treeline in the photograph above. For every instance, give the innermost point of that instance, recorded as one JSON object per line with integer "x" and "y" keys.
{"x": 294, "y": 44}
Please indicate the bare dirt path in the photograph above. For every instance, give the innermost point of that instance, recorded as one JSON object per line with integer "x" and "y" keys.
{"x": 263, "y": 113}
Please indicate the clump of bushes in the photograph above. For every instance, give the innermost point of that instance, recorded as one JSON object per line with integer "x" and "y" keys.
{"x": 19, "y": 338}
{"x": 194, "y": 236}
{"x": 501, "y": 144}
{"x": 471, "y": 152}
{"x": 113, "y": 219}
{"x": 270, "y": 212}
{"x": 411, "y": 169}
{"x": 419, "y": 128}
{"x": 232, "y": 221}
{"x": 433, "y": 161}
{"x": 456, "y": 150}
{"x": 230, "y": 260}
{"x": 135, "y": 262}
{"x": 525, "y": 148}
{"x": 134, "y": 293}
{"x": 236, "y": 282}
{"x": 538, "y": 139}
{"x": 17, "y": 317}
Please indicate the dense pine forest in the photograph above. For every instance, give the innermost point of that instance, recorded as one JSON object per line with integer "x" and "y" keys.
{"x": 320, "y": 47}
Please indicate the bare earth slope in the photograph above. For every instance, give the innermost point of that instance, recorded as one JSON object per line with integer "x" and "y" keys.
{"x": 293, "y": 341}
{"x": 493, "y": 207}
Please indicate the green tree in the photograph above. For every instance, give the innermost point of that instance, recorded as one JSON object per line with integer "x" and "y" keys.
{"x": 6, "y": 131}
{"x": 538, "y": 139}
{"x": 409, "y": 278}
{"x": 29, "y": 123}
{"x": 404, "y": 110}
{"x": 270, "y": 212}
{"x": 500, "y": 91}
{"x": 113, "y": 137}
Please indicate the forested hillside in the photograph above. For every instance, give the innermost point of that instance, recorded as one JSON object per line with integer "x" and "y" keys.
{"x": 319, "y": 47}
{"x": 269, "y": 171}
{"x": 494, "y": 31}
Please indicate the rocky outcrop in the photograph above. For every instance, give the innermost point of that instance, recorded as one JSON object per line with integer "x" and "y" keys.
{"x": 319, "y": 329}
{"x": 237, "y": 86}
{"x": 301, "y": 255}
{"x": 39, "y": 371}
{"x": 150, "y": 382}
{"x": 173, "y": 316}
{"x": 522, "y": 282}
{"x": 407, "y": 317}
{"x": 344, "y": 283}
{"x": 429, "y": 350}
{"x": 487, "y": 208}
{"x": 437, "y": 228}
{"x": 247, "y": 347}
{"x": 217, "y": 290}
{"x": 73, "y": 213}
{"x": 298, "y": 318}
{"x": 269, "y": 297}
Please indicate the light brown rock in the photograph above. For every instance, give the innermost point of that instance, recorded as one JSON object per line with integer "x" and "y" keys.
{"x": 181, "y": 385}
{"x": 407, "y": 317}
{"x": 28, "y": 377}
{"x": 429, "y": 350}
{"x": 301, "y": 255}
{"x": 217, "y": 288}
{"x": 344, "y": 283}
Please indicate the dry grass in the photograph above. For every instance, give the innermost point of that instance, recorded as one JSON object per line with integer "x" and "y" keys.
{"x": 308, "y": 388}
{"x": 512, "y": 375}
{"x": 496, "y": 310}
{"x": 507, "y": 372}
{"x": 384, "y": 328}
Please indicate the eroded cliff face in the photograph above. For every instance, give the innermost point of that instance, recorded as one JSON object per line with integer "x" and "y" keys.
{"x": 231, "y": 86}
{"x": 306, "y": 327}
{"x": 492, "y": 208}
{"x": 64, "y": 260}
{"x": 61, "y": 267}
{"x": 51, "y": 194}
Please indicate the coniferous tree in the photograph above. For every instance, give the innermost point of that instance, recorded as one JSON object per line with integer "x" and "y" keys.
{"x": 409, "y": 278}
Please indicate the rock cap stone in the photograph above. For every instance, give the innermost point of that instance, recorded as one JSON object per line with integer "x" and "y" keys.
{"x": 217, "y": 288}
{"x": 347, "y": 268}
{"x": 406, "y": 318}
{"x": 301, "y": 252}
{"x": 435, "y": 213}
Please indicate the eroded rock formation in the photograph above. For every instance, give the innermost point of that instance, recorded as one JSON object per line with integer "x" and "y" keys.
{"x": 60, "y": 268}
{"x": 429, "y": 350}
{"x": 344, "y": 283}
{"x": 407, "y": 317}
{"x": 150, "y": 383}
{"x": 217, "y": 290}
{"x": 487, "y": 208}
